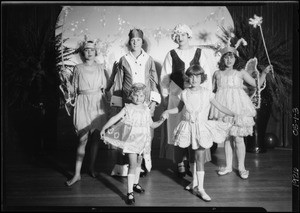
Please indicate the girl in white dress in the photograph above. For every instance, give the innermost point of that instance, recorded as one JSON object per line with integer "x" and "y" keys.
{"x": 195, "y": 129}
{"x": 228, "y": 82}
{"x": 132, "y": 135}
{"x": 176, "y": 63}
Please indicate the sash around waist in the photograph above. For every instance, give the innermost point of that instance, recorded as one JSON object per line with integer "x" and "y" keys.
{"x": 90, "y": 91}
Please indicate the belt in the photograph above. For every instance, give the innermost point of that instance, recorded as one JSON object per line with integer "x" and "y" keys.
{"x": 90, "y": 91}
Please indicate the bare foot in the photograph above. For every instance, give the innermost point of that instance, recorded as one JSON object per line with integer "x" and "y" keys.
{"x": 73, "y": 180}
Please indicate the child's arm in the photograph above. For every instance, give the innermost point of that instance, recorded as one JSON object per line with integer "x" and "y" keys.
{"x": 165, "y": 114}
{"x": 251, "y": 81}
{"x": 222, "y": 108}
{"x": 157, "y": 123}
{"x": 112, "y": 121}
{"x": 214, "y": 81}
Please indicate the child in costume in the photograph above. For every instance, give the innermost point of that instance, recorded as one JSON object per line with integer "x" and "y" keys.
{"x": 176, "y": 62}
{"x": 136, "y": 66}
{"x": 228, "y": 83}
{"x": 130, "y": 131}
{"x": 195, "y": 129}
{"x": 88, "y": 84}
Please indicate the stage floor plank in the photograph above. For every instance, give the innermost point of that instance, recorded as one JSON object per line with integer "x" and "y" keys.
{"x": 40, "y": 186}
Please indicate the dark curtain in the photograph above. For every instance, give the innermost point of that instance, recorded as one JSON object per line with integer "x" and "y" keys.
{"x": 27, "y": 124}
{"x": 277, "y": 18}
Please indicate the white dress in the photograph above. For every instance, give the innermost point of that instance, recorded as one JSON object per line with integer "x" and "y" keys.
{"x": 195, "y": 129}
{"x": 230, "y": 93}
{"x": 132, "y": 133}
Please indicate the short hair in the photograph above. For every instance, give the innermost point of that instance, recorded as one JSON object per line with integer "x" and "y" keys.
{"x": 196, "y": 69}
{"x": 137, "y": 87}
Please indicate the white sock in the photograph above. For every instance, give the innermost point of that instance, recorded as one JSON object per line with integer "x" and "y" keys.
{"x": 137, "y": 175}
{"x": 130, "y": 181}
{"x": 195, "y": 180}
{"x": 200, "y": 178}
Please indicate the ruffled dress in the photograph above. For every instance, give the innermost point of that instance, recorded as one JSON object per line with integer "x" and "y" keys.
{"x": 230, "y": 93}
{"x": 195, "y": 129}
{"x": 132, "y": 133}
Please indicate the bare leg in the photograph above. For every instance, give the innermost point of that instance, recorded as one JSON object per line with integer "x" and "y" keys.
{"x": 241, "y": 154}
{"x": 228, "y": 148}
{"x": 228, "y": 153}
{"x": 79, "y": 159}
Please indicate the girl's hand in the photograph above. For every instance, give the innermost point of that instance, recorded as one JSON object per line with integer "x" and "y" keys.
{"x": 165, "y": 115}
{"x": 268, "y": 69}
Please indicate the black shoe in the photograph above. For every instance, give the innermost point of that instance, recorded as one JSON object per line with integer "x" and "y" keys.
{"x": 181, "y": 174}
{"x": 189, "y": 173}
{"x": 137, "y": 188}
{"x": 143, "y": 174}
{"x": 130, "y": 201}
{"x": 92, "y": 174}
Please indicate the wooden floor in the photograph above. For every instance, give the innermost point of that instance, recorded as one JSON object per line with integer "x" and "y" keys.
{"x": 40, "y": 186}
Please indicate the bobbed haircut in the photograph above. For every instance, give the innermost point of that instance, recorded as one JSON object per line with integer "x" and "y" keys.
{"x": 196, "y": 70}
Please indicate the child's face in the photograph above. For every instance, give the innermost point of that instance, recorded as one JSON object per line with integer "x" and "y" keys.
{"x": 195, "y": 80}
{"x": 138, "y": 97}
{"x": 229, "y": 59}
{"x": 136, "y": 43}
{"x": 89, "y": 53}
{"x": 181, "y": 38}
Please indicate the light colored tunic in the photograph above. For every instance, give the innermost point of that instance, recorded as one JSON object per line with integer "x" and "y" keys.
{"x": 90, "y": 108}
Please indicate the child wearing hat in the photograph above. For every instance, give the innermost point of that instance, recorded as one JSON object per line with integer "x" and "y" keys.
{"x": 88, "y": 84}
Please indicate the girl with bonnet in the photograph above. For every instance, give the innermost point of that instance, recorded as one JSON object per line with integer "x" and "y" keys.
{"x": 136, "y": 66}
{"x": 176, "y": 62}
{"x": 88, "y": 85}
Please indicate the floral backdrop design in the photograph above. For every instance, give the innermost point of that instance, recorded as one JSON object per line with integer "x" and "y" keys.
{"x": 111, "y": 25}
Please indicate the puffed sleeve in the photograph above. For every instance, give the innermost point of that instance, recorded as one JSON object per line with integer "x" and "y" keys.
{"x": 165, "y": 75}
